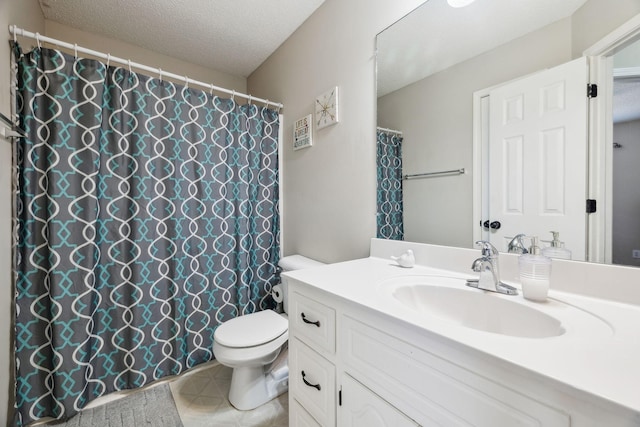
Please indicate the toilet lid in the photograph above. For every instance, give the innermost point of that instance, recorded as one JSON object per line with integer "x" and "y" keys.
{"x": 251, "y": 329}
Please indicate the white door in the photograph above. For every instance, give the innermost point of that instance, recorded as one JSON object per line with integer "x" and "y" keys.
{"x": 363, "y": 408}
{"x": 538, "y": 157}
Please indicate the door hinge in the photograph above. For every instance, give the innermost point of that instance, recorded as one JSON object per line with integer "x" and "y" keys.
{"x": 592, "y": 90}
{"x": 340, "y": 397}
{"x": 591, "y": 205}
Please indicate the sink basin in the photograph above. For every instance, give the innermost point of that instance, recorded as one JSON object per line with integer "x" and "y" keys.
{"x": 449, "y": 299}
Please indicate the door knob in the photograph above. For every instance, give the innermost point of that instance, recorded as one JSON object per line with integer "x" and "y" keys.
{"x": 486, "y": 224}
{"x": 495, "y": 225}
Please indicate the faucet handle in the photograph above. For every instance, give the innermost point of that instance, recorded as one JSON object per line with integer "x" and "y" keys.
{"x": 516, "y": 245}
{"x": 488, "y": 250}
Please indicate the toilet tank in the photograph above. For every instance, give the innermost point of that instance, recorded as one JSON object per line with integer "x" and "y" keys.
{"x": 291, "y": 263}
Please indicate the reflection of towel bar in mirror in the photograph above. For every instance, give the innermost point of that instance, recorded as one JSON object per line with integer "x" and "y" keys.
{"x": 434, "y": 174}
{"x": 11, "y": 130}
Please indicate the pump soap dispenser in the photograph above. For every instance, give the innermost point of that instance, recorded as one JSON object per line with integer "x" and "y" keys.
{"x": 557, "y": 249}
{"x": 535, "y": 272}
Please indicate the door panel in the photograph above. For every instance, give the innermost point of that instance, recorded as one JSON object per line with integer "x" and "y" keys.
{"x": 538, "y": 157}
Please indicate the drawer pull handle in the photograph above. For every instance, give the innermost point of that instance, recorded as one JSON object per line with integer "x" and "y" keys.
{"x": 317, "y": 386}
{"x": 305, "y": 320}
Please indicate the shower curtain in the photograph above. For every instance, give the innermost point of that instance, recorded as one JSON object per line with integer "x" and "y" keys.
{"x": 389, "y": 196}
{"x": 146, "y": 215}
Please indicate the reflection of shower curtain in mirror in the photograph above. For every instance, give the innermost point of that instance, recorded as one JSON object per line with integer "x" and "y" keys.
{"x": 389, "y": 196}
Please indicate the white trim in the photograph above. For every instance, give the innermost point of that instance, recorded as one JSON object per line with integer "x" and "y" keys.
{"x": 599, "y": 176}
{"x": 626, "y": 72}
{"x": 599, "y": 225}
{"x": 616, "y": 40}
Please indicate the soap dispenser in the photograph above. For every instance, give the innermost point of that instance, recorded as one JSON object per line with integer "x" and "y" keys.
{"x": 557, "y": 249}
{"x": 535, "y": 272}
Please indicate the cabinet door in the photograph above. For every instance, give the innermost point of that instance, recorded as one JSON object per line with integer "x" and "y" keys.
{"x": 363, "y": 408}
{"x": 436, "y": 390}
{"x": 298, "y": 417}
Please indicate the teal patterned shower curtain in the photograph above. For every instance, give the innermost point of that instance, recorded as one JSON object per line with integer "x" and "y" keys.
{"x": 390, "y": 223}
{"x": 146, "y": 215}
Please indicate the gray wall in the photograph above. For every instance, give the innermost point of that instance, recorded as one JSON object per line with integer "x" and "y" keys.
{"x": 329, "y": 189}
{"x": 626, "y": 192}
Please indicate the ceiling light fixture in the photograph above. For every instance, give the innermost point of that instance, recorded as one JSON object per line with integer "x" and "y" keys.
{"x": 459, "y": 3}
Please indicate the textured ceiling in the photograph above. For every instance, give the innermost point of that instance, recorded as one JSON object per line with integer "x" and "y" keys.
{"x": 436, "y": 36}
{"x": 232, "y": 36}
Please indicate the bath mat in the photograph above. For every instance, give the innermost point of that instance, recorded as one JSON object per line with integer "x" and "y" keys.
{"x": 153, "y": 407}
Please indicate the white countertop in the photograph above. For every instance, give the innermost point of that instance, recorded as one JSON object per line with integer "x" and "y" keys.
{"x": 598, "y": 354}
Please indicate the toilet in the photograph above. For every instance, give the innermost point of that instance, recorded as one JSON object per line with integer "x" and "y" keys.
{"x": 255, "y": 346}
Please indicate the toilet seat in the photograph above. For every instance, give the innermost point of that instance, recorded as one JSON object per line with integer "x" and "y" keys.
{"x": 251, "y": 330}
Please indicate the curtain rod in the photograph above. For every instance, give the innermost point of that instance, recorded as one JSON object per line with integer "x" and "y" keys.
{"x": 399, "y": 132}
{"x": 13, "y": 29}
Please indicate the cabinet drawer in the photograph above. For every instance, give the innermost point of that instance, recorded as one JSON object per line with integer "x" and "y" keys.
{"x": 312, "y": 381}
{"x": 435, "y": 391}
{"x": 314, "y": 323}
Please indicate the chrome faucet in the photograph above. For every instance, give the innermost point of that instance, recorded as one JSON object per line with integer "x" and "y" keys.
{"x": 516, "y": 245}
{"x": 488, "y": 267}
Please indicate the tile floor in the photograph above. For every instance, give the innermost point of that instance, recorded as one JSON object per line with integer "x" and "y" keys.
{"x": 201, "y": 398}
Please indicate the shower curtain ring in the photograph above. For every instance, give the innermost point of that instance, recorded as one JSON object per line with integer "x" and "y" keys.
{"x": 75, "y": 51}
{"x": 186, "y": 81}
{"x": 250, "y": 99}
{"x": 160, "y": 74}
{"x": 233, "y": 96}
{"x": 129, "y": 62}
{"x": 15, "y": 36}
{"x": 38, "y": 40}
{"x": 108, "y": 59}
{"x": 211, "y": 89}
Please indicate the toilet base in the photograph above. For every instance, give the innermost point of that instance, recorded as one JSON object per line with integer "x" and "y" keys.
{"x": 252, "y": 386}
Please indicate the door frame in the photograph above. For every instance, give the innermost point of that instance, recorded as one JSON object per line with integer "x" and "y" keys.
{"x": 600, "y": 54}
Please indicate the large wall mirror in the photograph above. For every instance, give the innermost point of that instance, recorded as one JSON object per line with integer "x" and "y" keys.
{"x": 448, "y": 86}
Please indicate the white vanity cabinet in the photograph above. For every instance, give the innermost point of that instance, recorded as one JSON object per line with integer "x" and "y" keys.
{"x": 431, "y": 388}
{"x": 314, "y": 394}
{"x": 354, "y": 366}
